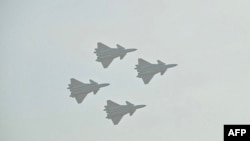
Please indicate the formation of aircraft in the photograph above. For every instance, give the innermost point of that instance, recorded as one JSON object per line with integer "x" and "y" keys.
{"x": 105, "y": 55}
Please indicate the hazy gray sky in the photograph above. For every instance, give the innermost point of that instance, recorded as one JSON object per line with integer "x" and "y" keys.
{"x": 45, "y": 43}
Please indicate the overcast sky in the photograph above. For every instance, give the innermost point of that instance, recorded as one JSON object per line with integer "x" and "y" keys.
{"x": 45, "y": 43}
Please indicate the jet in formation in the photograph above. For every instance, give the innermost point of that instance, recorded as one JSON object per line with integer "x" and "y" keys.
{"x": 146, "y": 70}
{"x": 80, "y": 90}
{"x": 115, "y": 112}
{"x": 105, "y": 54}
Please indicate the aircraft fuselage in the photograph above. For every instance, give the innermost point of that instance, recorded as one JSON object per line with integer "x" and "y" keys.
{"x": 154, "y": 69}
{"x": 86, "y": 88}
{"x": 121, "y": 110}
{"x": 112, "y": 53}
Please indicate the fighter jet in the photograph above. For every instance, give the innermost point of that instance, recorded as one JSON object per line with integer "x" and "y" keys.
{"x": 146, "y": 70}
{"x": 115, "y": 112}
{"x": 80, "y": 90}
{"x": 105, "y": 54}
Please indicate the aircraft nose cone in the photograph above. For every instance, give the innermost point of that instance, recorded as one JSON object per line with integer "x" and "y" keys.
{"x": 173, "y": 65}
{"x": 131, "y": 50}
{"x": 140, "y": 106}
{"x": 104, "y": 85}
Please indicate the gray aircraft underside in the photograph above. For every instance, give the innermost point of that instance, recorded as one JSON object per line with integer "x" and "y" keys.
{"x": 147, "y": 70}
{"x": 105, "y": 54}
{"x": 80, "y": 90}
{"x": 115, "y": 112}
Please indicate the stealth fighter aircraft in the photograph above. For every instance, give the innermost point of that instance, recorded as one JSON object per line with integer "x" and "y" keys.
{"x": 115, "y": 112}
{"x": 105, "y": 54}
{"x": 80, "y": 90}
{"x": 146, "y": 70}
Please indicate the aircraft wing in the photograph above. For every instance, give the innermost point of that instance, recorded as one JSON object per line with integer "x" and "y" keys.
{"x": 147, "y": 77}
{"x": 142, "y": 62}
{"x": 75, "y": 82}
{"x": 112, "y": 104}
{"x": 106, "y": 62}
{"x": 102, "y": 47}
{"x": 79, "y": 98}
{"x": 116, "y": 119}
